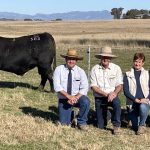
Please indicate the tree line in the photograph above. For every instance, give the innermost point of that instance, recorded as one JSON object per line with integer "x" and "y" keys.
{"x": 130, "y": 14}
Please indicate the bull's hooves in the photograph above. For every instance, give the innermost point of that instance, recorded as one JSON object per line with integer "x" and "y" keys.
{"x": 52, "y": 91}
{"x": 40, "y": 89}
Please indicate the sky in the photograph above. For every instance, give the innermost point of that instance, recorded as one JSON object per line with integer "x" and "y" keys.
{"x": 32, "y": 7}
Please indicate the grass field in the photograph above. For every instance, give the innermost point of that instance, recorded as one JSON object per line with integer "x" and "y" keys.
{"x": 27, "y": 116}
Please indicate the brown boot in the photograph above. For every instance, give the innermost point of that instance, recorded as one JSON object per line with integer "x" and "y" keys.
{"x": 83, "y": 127}
{"x": 116, "y": 130}
{"x": 141, "y": 130}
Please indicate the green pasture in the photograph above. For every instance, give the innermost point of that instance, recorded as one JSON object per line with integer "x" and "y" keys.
{"x": 28, "y": 116}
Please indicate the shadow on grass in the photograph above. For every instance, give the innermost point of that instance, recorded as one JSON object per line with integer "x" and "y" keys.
{"x": 125, "y": 122}
{"x": 6, "y": 84}
{"x": 92, "y": 118}
{"x": 148, "y": 121}
{"x": 34, "y": 112}
{"x": 124, "y": 117}
{"x": 11, "y": 85}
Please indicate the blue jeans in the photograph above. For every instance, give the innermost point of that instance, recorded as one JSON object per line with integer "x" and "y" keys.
{"x": 138, "y": 114}
{"x": 65, "y": 110}
{"x": 101, "y": 105}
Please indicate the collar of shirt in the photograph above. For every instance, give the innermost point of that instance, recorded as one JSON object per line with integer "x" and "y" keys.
{"x": 101, "y": 67}
{"x": 68, "y": 68}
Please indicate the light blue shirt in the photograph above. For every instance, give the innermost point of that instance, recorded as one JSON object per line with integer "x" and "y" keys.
{"x": 79, "y": 80}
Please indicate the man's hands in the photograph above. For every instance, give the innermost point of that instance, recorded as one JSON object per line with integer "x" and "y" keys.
{"x": 111, "y": 96}
{"x": 72, "y": 99}
{"x": 143, "y": 100}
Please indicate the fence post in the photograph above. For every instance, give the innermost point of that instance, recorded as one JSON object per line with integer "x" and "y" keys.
{"x": 89, "y": 62}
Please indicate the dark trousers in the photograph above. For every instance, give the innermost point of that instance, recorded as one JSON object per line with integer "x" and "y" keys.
{"x": 65, "y": 110}
{"x": 101, "y": 105}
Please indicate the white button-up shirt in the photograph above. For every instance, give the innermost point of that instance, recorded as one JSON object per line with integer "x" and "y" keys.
{"x": 106, "y": 79}
{"x": 79, "y": 80}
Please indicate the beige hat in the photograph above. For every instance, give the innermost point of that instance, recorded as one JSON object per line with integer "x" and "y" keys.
{"x": 105, "y": 51}
{"x": 72, "y": 53}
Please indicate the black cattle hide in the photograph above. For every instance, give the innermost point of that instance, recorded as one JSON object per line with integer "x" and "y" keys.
{"x": 21, "y": 54}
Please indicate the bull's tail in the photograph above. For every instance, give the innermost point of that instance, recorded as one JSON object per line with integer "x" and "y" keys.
{"x": 54, "y": 59}
{"x": 51, "y": 74}
{"x": 54, "y": 62}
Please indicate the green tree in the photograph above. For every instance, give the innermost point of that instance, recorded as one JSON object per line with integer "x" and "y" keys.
{"x": 130, "y": 14}
{"x": 117, "y": 12}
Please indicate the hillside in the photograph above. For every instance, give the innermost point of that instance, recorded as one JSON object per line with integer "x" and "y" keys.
{"x": 73, "y": 15}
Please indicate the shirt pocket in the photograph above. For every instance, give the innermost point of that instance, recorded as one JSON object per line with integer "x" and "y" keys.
{"x": 76, "y": 82}
{"x": 112, "y": 80}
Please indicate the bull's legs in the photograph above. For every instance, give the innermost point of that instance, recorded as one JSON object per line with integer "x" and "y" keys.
{"x": 50, "y": 79}
{"x": 43, "y": 82}
{"x": 42, "y": 71}
{"x": 46, "y": 74}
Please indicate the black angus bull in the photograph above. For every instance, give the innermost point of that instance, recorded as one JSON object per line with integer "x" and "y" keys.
{"x": 21, "y": 54}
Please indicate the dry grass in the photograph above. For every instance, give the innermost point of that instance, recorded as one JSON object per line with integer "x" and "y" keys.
{"x": 27, "y": 116}
{"x": 77, "y": 30}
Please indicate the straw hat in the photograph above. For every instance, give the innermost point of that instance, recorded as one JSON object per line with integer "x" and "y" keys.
{"x": 106, "y": 52}
{"x": 72, "y": 53}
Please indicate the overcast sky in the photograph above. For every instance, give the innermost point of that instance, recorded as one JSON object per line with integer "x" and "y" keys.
{"x": 60, "y": 6}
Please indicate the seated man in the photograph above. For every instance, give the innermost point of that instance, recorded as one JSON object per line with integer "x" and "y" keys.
{"x": 106, "y": 83}
{"x": 71, "y": 85}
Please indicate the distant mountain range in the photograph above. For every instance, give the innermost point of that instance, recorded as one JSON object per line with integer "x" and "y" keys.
{"x": 73, "y": 15}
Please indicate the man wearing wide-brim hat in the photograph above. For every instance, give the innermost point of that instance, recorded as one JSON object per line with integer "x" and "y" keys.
{"x": 71, "y": 85}
{"x": 106, "y": 83}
